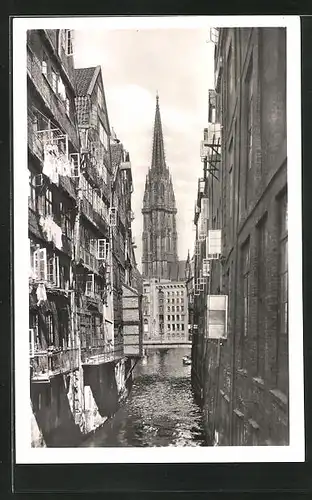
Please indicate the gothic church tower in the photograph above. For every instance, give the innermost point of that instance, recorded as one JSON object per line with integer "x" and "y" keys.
{"x": 159, "y": 257}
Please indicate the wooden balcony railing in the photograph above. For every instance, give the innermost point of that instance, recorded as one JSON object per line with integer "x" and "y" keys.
{"x": 97, "y": 355}
{"x": 46, "y": 365}
{"x": 51, "y": 100}
{"x": 88, "y": 259}
{"x": 100, "y": 220}
{"x": 34, "y": 143}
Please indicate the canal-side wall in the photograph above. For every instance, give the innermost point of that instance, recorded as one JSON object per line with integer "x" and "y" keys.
{"x": 70, "y": 407}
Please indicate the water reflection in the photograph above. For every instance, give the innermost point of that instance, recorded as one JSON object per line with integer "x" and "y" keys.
{"x": 160, "y": 410}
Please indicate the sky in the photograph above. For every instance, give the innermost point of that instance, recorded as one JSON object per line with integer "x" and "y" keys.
{"x": 136, "y": 64}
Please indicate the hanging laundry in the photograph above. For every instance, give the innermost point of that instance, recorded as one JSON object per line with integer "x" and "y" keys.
{"x": 45, "y": 223}
{"x": 57, "y": 235}
{"x": 50, "y": 162}
{"x": 64, "y": 165}
{"x": 41, "y": 293}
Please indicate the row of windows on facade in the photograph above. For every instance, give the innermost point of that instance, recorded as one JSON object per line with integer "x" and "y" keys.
{"x": 41, "y": 199}
{"x": 168, "y": 293}
{"x": 56, "y": 327}
{"x": 175, "y": 327}
{"x": 282, "y": 295}
{"x": 56, "y": 154}
{"x": 46, "y": 266}
{"x": 55, "y": 80}
{"x": 176, "y": 317}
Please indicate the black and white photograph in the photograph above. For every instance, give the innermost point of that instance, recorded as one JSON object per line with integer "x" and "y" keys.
{"x": 160, "y": 158}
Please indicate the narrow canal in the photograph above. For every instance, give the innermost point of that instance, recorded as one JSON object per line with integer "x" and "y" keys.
{"x": 160, "y": 410}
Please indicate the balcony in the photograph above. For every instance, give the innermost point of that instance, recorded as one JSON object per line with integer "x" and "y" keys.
{"x": 51, "y": 100}
{"x": 46, "y": 365}
{"x": 34, "y": 143}
{"x": 89, "y": 260}
{"x": 93, "y": 216}
{"x": 98, "y": 355}
{"x": 67, "y": 184}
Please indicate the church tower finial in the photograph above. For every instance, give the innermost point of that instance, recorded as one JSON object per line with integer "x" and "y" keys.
{"x": 158, "y": 155}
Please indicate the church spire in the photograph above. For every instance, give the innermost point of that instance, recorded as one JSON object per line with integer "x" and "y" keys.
{"x": 158, "y": 155}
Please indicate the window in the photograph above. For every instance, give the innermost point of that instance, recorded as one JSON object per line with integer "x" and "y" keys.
{"x": 168, "y": 309}
{"x": 44, "y": 65}
{"x": 246, "y": 284}
{"x": 102, "y": 249}
{"x": 178, "y": 308}
{"x": 249, "y": 113}
{"x": 173, "y": 318}
{"x": 90, "y": 285}
{"x": 61, "y": 89}
{"x": 178, "y": 327}
{"x": 103, "y": 136}
{"x": 40, "y": 264}
{"x": 69, "y": 43}
{"x": 182, "y": 327}
{"x": 100, "y": 97}
{"x": 173, "y": 327}
{"x": 34, "y": 339}
{"x": 168, "y": 317}
{"x": 32, "y": 191}
{"x": 50, "y": 329}
{"x": 67, "y": 106}
{"x": 66, "y": 223}
{"x": 54, "y": 80}
{"x": 173, "y": 309}
{"x": 53, "y": 272}
{"x": 178, "y": 317}
{"x": 282, "y": 341}
{"x": 262, "y": 237}
{"x": 48, "y": 202}
{"x": 62, "y": 39}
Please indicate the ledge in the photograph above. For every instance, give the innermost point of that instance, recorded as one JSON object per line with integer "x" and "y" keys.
{"x": 253, "y": 424}
{"x": 258, "y": 381}
{"x": 279, "y": 397}
{"x": 242, "y": 371}
{"x": 225, "y": 396}
{"x": 238, "y": 413}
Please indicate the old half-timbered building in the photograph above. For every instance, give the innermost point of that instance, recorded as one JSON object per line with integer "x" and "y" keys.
{"x": 53, "y": 148}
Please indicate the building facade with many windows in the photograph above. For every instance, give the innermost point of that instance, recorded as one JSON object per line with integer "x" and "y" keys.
{"x": 165, "y": 311}
{"x": 241, "y": 371}
{"x": 80, "y": 244}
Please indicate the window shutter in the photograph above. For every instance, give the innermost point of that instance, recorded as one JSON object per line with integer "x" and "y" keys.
{"x": 113, "y": 217}
{"x": 40, "y": 264}
{"x": 56, "y": 271}
{"x": 74, "y": 165}
{"x": 102, "y": 249}
{"x": 213, "y": 244}
{"x": 217, "y": 316}
{"x": 69, "y": 43}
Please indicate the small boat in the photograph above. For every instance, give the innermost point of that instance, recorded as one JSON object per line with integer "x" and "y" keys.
{"x": 187, "y": 360}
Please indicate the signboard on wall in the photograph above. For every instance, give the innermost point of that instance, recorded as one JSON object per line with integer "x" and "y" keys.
{"x": 216, "y": 325}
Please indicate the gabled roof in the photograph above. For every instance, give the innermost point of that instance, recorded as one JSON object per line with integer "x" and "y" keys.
{"x": 85, "y": 79}
{"x": 116, "y": 155}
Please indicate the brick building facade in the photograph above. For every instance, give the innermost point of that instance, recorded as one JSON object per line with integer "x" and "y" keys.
{"x": 242, "y": 377}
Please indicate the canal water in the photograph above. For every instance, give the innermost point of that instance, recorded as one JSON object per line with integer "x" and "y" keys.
{"x": 160, "y": 410}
